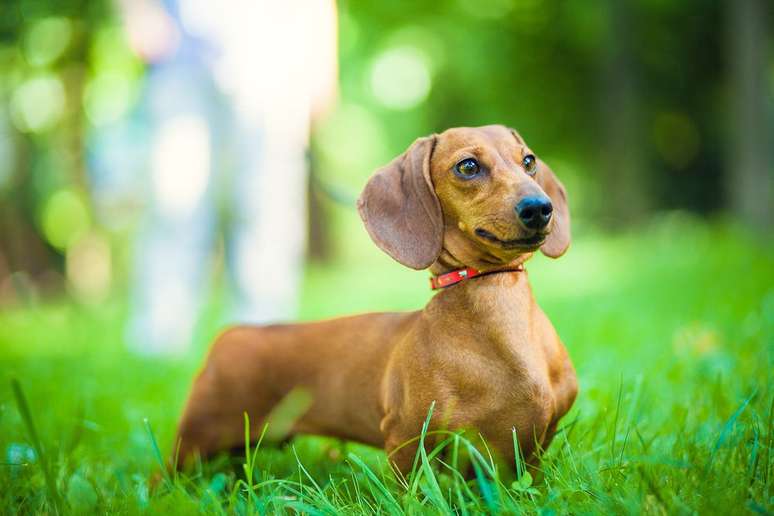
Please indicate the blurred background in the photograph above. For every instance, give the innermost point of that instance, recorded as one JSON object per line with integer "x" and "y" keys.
{"x": 182, "y": 163}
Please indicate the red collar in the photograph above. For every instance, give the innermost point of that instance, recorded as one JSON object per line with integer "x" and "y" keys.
{"x": 450, "y": 278}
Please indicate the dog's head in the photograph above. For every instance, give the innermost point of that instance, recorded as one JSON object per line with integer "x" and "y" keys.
{"x": 476, "y": 197}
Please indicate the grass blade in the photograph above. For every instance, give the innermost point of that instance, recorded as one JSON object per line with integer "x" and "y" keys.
{"x": 434, "y": 491}
{"x": 727, "y": 427}
{"x": 378, "y": 489}
{"x": 26, "y": 413}
{"x": 157, "y": 452}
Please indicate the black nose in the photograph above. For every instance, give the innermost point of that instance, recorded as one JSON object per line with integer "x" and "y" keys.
{"x": 534, "y": 212}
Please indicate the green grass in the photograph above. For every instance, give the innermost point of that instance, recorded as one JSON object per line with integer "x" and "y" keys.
{"x": 671, "y": 330}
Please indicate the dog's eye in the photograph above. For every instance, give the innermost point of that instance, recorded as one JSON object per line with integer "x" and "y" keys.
{"x": 467, "y": 168}
{"x": 530, "y": 164}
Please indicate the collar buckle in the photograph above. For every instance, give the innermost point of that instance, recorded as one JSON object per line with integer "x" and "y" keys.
{"x": 451, "y": 278}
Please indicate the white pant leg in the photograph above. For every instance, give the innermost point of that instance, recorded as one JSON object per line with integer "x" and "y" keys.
{"x": 267, "y": 243}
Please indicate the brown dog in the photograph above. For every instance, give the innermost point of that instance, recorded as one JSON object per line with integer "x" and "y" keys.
{"x": 481, "y": 349}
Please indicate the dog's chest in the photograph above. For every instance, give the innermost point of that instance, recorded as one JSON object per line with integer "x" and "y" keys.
{"x": 486, "y": 372}
{"x": 483, "y": 356}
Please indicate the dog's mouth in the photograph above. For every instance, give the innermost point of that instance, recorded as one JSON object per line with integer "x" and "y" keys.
{"x": 529, "y": 243}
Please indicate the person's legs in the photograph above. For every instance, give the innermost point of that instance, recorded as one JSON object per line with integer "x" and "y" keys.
{"x": 176, "y": 237}
{"x": 268, "y": 237}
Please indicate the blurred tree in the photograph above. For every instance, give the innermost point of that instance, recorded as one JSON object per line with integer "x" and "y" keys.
{"x": 44, "y": 59}
{"x": 626, "y": 180}
{"x": 750, "y": 146}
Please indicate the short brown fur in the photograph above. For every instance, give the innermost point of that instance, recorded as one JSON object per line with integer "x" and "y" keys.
{"x": 482, "y": 349}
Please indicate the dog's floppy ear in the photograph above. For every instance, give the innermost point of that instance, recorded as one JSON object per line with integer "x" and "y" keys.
{"x": 559, "y": 239}
{"x": 400, "y": 209}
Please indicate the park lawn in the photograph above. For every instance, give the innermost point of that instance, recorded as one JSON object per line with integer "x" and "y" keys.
{"x": 671, "y": 330}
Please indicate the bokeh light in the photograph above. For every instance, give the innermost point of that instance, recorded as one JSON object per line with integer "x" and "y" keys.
{"x": 88, "y": 267}
{"x": 107, "y": 96}
{"x": 400, "y": 77}
{"x": 65, "y": 217}
{"x": 38, "y": 103}
{"x": 110, "y": 51}
{"x": 46, "y": 40}
{"x": 351, "y": 123}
